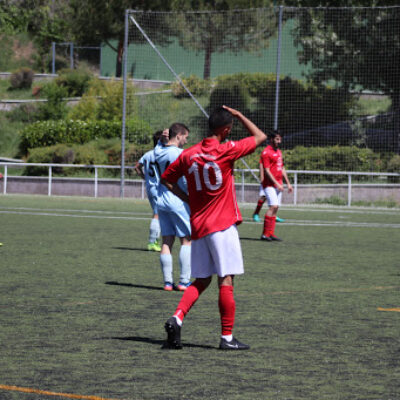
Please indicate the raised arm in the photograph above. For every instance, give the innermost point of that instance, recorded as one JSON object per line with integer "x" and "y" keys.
{"x": 252, "y": 128}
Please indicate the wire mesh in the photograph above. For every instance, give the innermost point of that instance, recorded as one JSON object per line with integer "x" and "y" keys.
{"x": 339, "y": 87}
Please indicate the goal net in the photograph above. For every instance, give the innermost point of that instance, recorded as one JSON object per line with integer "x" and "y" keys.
{"x": 336, "y": 99}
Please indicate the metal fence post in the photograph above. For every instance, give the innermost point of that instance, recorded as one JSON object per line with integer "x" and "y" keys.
{"x": 53, "y": 57}
{"x": 278, "y": 68}
{"x": 95, "y": 181}
{"x": 101, "y": 59}
{"x": 5, "y": 180}
{"x": 123, "y": 134}
{"x": 71, "y": 55}
{"x": 50, "y": 180}
{"x": 349, "y": 192}
{"x": 295, "y": 189}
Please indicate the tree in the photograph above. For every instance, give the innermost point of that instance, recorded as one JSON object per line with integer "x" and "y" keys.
{"x": 12, "y": 19}
{"x": 237, "y": 28}
{"x": 358, "y": 48}
{"x": 96, "y": 21}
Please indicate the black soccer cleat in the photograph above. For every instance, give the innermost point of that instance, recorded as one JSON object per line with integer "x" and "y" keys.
{"x": 234, "y": 344}
{"x": 276, "y": 239}
{"x": 174, "y": 334}
{"x": 266, "y": 238}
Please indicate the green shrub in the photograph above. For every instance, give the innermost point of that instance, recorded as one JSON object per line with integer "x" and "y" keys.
{"x": 48, "y": 133}
{"x": 97, "y": 152}
{"x": 60, "y": 153}
{"x": 55, "y": 108}
{"x": 394, "y": 166}
{"x": 257, "y": 84}
{"x": 22, "y": 78}
{"x": 24, "y": 113}
{"x": 332, "y": 158}
{"x": 196, "y": 85}
{"x": 75, "y": 81}
{"x": 103, "y": 100}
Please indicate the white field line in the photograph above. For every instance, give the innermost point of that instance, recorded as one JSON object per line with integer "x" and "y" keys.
{"x": 146, "y": 216}
{"x": 75, "y": 211}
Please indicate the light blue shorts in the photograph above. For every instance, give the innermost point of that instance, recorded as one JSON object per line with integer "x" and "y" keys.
{"x": 175, "y": 223}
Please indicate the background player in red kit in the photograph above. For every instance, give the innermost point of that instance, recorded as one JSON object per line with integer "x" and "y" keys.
{"x": 274, "y": 173}
{"x": 208, "y": 168}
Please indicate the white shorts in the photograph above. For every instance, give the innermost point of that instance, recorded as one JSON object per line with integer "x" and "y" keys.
{"x": 217, "y": 253}
{"x": 272, "y": 194}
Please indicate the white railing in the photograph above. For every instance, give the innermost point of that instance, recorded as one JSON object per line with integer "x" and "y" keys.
{"x": 303, "y": 172}
{"x": 242, "y": 172}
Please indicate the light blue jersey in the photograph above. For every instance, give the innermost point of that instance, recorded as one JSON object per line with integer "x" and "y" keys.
{"x": 164, "y": 156}
{"x": 151, "y": 172}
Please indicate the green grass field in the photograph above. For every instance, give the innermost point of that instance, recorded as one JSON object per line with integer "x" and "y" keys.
{"x": 82, "y": 310}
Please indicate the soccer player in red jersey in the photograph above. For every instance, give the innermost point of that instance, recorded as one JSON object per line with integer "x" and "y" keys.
{"x": 208, "y": 168}
{"x": 274, "y": 173}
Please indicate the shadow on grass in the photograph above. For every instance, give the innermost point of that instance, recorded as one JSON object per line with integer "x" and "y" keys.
{"x": 161, "y": 343}
{"x": 131, "y": 249}
{"x": 257, "y": 239}
{"x": 134, "y": 286}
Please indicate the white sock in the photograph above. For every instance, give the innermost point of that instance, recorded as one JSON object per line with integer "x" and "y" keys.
{"x": 154, "y": 230}
{"x": 178, "y": 320}
{"x": 228, "y": 338}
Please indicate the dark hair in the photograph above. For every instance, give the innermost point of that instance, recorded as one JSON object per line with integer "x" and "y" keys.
{"x": 176, "y": 128}
{"x": 156, "y": 137}
{"x": 219, "y": 118}
{"x": 273, "y": 133}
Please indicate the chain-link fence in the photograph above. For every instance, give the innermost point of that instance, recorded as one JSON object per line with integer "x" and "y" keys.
{"x": 336, "y": 100}
{"x": 68, "y": 55}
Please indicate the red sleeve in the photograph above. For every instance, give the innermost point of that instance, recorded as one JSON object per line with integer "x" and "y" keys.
{"x": 241, "y": 148}
{"x": 174, "y": 171}
{"x": 265, "y": 161}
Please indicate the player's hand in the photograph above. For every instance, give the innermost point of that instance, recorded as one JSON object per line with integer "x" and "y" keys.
{"x": 290, "y": 188}
{"x": 234, "y": 112}
{"x": 279, "y": 187}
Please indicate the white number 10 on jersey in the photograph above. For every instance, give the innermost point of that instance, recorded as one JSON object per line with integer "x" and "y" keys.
{"x": 194, "y": 169}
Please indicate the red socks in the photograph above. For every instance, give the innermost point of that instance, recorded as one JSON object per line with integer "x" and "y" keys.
{"x": 188, "y": 299}
{"x": 226, "y": 304}
{"x": 227, "y": 307}
{"x": 269, "y": 225}
{"x": 259, "y": 206}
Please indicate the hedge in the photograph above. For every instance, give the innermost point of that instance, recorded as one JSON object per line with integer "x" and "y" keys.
{"x": 98, "y": 152}
{"x": 48, "y": 133}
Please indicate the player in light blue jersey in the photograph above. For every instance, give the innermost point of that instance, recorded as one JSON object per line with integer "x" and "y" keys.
{"x": 174, "y": 214}
{"x": 146, "y": 169}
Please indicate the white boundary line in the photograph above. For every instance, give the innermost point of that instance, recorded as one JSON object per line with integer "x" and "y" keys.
{"x": 339, "y": 224}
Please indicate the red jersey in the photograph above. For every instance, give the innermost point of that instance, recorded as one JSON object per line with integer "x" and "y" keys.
{"x": 272, "y": 159}
{"x": 208, "y": 168}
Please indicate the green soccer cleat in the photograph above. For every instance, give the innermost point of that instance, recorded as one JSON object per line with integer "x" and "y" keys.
{"x": 279, "y": 219}
{"x": 153, "y": 247}
{"x": 256, "y": 218}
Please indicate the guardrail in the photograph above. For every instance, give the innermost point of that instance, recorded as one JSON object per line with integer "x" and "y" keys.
{"x": 242, "y": 186}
